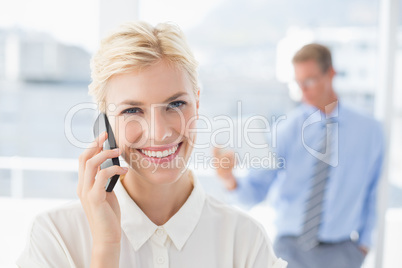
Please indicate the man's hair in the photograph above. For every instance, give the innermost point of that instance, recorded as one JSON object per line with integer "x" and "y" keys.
{"x": 137, "y": 45}
{"x": 319, "y": 53}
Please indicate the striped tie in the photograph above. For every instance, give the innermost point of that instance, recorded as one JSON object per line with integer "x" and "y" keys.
{"x": 312, "y": 215}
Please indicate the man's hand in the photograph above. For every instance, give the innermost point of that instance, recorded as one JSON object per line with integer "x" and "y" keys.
{"x": 224, "y": 164}
{"x": 364, "y": 250}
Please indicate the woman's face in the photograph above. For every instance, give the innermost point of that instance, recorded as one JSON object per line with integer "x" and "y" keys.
{"x": 153, "y": 115}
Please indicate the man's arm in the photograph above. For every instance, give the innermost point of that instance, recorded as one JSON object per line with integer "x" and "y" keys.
{"x": 370, "y": 207}
{"x": 253, "y": 188}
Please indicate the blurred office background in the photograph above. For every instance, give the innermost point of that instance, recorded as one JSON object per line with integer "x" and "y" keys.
{"x": 244, "y": 49}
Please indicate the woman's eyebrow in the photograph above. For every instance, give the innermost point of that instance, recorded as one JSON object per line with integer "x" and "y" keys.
{"x": 138, "y": 103}
{"x": 175, "y": 96}
{"x": 131, "y": 102}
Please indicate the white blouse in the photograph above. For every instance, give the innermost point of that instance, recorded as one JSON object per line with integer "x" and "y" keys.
{"x": 203, "y": 233}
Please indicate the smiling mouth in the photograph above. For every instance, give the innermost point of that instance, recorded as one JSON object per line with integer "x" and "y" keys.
{"x": 157, "y": 153}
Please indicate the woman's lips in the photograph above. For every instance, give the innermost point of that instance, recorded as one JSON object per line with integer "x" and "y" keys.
{"x": 160, "y": 154}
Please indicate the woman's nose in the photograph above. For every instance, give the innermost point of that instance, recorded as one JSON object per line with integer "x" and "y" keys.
{"x": 159, "y": 127}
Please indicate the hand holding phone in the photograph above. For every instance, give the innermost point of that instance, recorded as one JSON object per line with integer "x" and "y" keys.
{"x": 101, "y": 125}
{"x": 101, "y": 208}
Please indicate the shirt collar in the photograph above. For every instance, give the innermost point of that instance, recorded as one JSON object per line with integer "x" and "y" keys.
{"x": 308, "y": 110}
{"x": 139, "y": 228}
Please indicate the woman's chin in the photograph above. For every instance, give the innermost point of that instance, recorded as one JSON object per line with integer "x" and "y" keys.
{"x": 163, "y": 175}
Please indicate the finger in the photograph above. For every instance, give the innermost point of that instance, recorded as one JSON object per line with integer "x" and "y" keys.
{"x": 103, "y": 176}
{"x": 92, "y": 165}
{"x": 221, "y": 155}
{"x": 94, "y": 148}
{"x": 215, "y": 151}
{"x": 229, "y": 155}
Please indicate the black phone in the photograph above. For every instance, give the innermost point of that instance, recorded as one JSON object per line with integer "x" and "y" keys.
{"x": 101, "y": 125}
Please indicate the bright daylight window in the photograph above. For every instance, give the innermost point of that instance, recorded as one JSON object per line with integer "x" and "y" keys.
{"x": 244, "y": 49}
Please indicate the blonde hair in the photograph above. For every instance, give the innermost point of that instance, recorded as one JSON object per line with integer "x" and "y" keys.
{"x": 319, "y": 53}
{"x": 137, "y": 45}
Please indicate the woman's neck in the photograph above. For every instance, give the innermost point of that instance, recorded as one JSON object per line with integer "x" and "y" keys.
{"x": 158, "y": 202}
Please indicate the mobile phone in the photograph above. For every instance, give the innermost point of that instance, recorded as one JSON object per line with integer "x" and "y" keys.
{"x": 101, "y": 125}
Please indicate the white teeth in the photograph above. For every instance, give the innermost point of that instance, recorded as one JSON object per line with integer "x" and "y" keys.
{"x": 160, "y": 154}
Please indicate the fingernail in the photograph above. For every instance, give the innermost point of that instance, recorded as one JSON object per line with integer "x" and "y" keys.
{"x": 125, "y": 168}
{"x": 116, "y": 150}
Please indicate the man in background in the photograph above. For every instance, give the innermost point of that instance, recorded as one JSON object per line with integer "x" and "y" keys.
{"x": 325, "y": 196}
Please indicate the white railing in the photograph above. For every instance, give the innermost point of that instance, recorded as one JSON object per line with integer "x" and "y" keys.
{"x": 17, "y": 165}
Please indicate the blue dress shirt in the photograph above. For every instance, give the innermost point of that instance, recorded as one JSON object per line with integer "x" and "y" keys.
{"x": 349, "y": 205}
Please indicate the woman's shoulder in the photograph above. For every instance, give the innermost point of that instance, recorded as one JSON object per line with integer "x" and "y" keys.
{"x": 247, "y": 237}
{"x": 67, "y": 213}
{"x": 232, "y": 216}
{"x": 61, "y": 223}
{"x": 57, "y": 237}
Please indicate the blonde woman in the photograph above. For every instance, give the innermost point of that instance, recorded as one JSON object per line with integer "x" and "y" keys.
{"x": 145, "y": 80}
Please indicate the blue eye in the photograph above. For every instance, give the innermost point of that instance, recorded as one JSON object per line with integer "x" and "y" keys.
{"x": 175, "y": 104}
{"x": 132, "y": 111}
